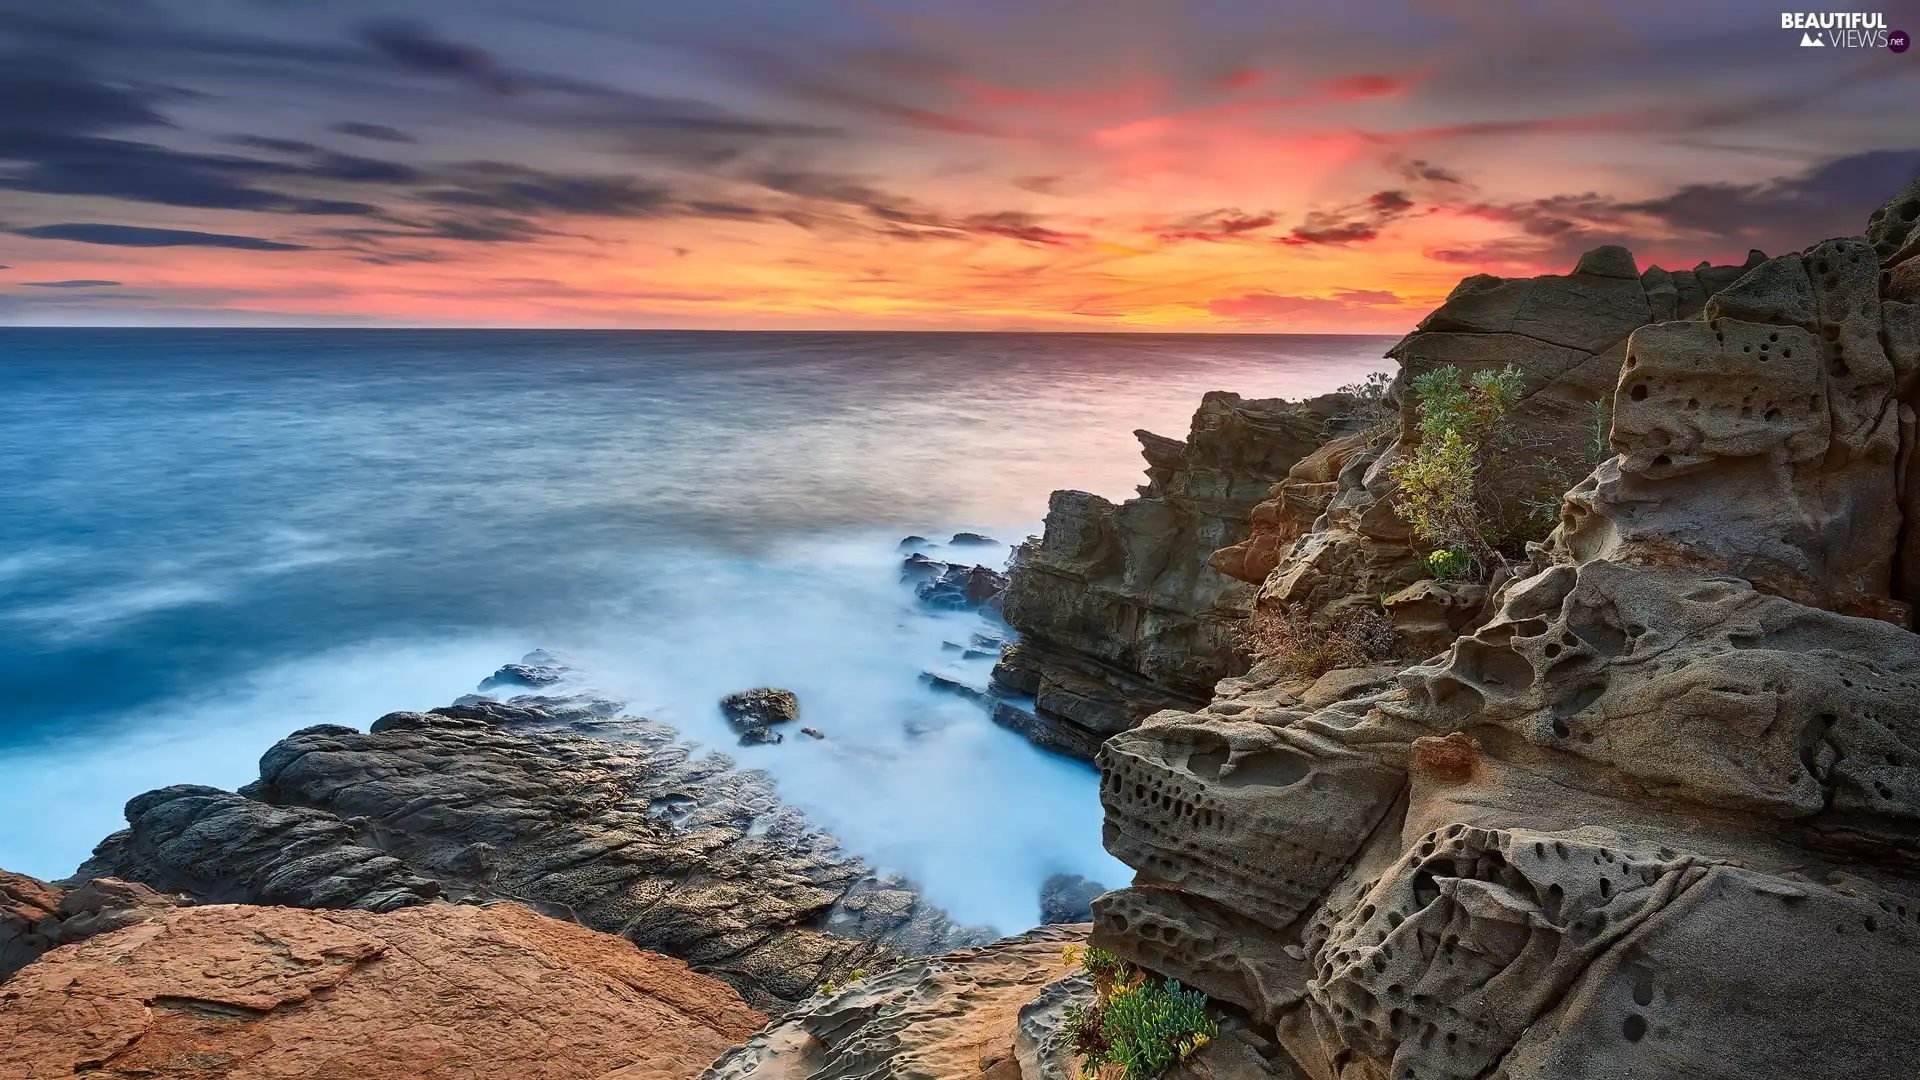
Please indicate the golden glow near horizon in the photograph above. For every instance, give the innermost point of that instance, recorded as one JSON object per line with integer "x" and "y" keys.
{"x": 1157, "y": 167}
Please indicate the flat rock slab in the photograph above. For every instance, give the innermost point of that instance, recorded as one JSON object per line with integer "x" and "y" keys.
{"x": 427, "y": 993}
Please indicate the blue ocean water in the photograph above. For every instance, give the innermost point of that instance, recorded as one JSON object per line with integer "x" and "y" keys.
{"x": 210, "y": 538}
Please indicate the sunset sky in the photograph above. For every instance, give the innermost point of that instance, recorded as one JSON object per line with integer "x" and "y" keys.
{"x": 982, "y": 165}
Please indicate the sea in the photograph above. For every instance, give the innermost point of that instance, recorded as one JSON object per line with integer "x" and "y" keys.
{"x": 211, "y": 538}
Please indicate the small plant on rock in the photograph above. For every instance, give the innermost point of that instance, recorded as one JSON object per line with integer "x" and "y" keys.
{"x": 1132, "y": 1023}
{"x": 1445, "y": 564}
{"x": 1369, "y": 410}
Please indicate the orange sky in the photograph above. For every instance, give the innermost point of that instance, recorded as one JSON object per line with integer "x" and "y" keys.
{"x": 1126, "y": 166}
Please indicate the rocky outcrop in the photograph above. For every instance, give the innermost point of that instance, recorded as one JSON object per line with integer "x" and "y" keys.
{"x": 1656, "y": 811}
{"x": 610, "y": 820}
{"x": 951, "y": 1017}
{"x": 1118, "y": 612}
{"x": 36, "y": 916}
{"x": 439, "y": 991}
{"x": 752, "y": 713}
{"x": 1329, "y": 539}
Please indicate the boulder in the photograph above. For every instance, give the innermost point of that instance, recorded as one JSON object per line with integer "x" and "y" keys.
{"x": 752, "y": 713}
{"x": 1068, "y": 898}
{"x": 613, "y": 821}
{"x": 444, "y": 990}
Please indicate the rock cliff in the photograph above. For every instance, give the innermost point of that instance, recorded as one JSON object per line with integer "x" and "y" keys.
{"x": 1118, "y": 612}
{"x": 439, "y": 991}
{"x": 1329, "y": 538}
{"x": 1656, "y": 810}
{"x": 606, "y": 819}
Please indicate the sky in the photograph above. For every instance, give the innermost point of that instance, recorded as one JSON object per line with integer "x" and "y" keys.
{"x": 1143, "y": 165}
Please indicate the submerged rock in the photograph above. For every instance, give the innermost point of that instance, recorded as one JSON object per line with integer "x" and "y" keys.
{"x": 753, "y": 712}
{"x": 613, "y": 820}
{"x": 761, "y": 705}
{"x": 528, "y": 676}
{"x": 445, "y": 990}
{"x": 962, "y": 588}
{"x": 1068, "y": 898}
{"x": 972, "y": 539}
{"x": 913, "y": 543}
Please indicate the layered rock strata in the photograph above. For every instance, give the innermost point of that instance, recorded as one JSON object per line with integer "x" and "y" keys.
{"x": 609, "y": 820}
{"x": 1119, "y": 614}
{"x": 951, "y": 1017}
{"x": 441, "y": 991}
{"x": 1658, "y": 812}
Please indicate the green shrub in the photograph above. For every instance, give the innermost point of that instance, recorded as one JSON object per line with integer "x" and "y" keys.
{"x": 1461, "y": 423}
{"x": 1132, "y": 1023}
{"x": 1148, "y": 1027}
{"x": 1602, "y": 430}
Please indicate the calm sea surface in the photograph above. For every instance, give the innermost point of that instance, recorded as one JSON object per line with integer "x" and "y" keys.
{"x": 211, "y": 538}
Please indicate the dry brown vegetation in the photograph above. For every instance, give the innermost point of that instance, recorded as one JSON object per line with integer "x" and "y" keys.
{"x": 1306, "y": 649}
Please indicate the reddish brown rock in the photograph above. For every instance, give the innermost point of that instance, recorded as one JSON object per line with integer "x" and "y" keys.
{"x": 426, "y": 993}
{"x": 36, "y": 916}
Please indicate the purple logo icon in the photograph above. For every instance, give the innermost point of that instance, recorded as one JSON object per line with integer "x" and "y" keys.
{"x": 1899, "y": 40}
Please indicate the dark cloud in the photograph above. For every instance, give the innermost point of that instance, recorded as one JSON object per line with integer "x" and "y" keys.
{"x": 1788, "y": 213}
{"x": 1217, "y": 225}
{"x": 62, "y": 164}
{"x": 1831, "y": 199}
{"x": 43, "y": 94}
{"x": 139, "y": 236}
{"x": 1262, "y": 306}
{"x": 278, "y": 146}
{"x": 1416, "y": 170}
{"x": 416, "y": 48}
{"x": 76, "y": 283}
{"x": 354, "y": 169}
{"x": 1351, "y": 224}
{"x": 376, "y": 132}
{"x": 499, "y": 185}
{"x": 1017, "y": 225}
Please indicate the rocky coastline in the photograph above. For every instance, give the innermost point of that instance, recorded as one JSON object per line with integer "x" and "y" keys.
{"x": 1641, "y": 800}
{"x": 563, "y": 805}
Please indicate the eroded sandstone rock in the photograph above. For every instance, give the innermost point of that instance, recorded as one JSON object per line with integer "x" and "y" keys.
{"x": 1656, "y": 809}
{"x": 440, "y": 991}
